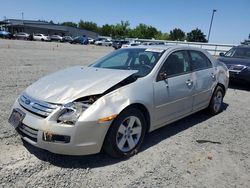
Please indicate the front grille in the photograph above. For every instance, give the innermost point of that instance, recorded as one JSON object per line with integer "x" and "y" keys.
{"x": 28, "y": 132}
{"x": 40, "y": 108}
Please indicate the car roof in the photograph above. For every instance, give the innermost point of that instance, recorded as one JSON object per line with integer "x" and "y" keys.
{"x": 167, "y": 47}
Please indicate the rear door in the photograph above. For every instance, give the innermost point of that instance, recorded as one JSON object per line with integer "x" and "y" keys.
{"x": 204, "y": 77}
{"x": 173, "y": 89}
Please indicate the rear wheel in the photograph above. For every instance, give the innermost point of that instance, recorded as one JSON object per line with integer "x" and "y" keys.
{"x": 126, "y": 134}
{"x": 216, "y": 102}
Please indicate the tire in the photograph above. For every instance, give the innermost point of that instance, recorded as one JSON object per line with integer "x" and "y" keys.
{"x": 123, "y": 138}
{"x": 42, "y": 39}
{"x": 215, "y": 105}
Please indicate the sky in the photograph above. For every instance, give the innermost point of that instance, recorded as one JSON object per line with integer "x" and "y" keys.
{"x": 231, "y": 23}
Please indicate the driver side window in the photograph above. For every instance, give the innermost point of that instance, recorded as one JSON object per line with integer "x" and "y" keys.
{"x": 176, "y": 64}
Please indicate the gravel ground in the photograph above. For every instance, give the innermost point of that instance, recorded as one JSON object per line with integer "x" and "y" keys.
{"x": 173, "y": 156}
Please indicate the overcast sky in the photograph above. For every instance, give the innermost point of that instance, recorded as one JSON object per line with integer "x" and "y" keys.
{"x": 231, "y": 21}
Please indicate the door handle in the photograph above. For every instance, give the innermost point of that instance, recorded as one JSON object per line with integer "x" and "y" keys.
{"x": 189, "y": 82}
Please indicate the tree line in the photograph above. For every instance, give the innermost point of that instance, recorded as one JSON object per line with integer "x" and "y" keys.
{"x": 143, "y": 31}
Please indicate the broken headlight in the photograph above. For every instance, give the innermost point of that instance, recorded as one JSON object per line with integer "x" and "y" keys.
{"x": 70, "y": 112}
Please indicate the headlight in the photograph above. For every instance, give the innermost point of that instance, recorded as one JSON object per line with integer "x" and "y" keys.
{"x": 247, "y": 69}
{"x": 70, "y": 112}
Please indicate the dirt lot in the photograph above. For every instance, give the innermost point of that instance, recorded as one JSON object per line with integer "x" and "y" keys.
{"x": 170, "y": 157}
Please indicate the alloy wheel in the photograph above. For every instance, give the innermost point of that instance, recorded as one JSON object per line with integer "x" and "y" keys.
{"x": 217, "y": 101}
{"x": 129, "y": 133}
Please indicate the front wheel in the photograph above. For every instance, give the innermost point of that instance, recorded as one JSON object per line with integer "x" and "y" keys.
{"x": 126, "y": 134}
{"x": 216, "y": 102}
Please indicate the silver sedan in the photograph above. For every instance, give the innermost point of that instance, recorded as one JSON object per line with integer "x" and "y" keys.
{"x": 111, "y": 104}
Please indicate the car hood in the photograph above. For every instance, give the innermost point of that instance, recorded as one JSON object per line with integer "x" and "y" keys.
{"x": 234, "y": 61}
{"x": 72, "y": 83}
{"x": 4, "y": 33}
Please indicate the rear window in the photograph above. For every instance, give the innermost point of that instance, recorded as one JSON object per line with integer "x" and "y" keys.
{"x": 199, "y": 61}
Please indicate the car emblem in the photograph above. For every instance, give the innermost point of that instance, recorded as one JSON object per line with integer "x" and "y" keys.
{"x": 27, "y": 101}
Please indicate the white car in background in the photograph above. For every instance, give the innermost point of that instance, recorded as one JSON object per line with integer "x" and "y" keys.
{"x": 40, "y": 37}
{"x": 22, "y": 35}
{"x": 104, "y": 42}
{"x": 91, "y": 40}
{"x": 56, "y": 38}
{"x": 132, "y": 43}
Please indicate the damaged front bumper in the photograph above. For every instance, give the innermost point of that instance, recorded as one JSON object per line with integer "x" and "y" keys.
{"x": 83, "y": 138}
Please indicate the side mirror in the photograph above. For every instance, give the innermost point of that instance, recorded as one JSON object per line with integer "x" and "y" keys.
{"x": 163, "y": 76}
{"x": 222, "y": 54}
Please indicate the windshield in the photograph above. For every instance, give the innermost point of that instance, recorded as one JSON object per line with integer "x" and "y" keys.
{"x": 239, "y": 53}
{"x": 141, "y": 59}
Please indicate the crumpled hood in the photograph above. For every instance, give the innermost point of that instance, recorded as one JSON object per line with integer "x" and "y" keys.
{"x": 72, "y": 83}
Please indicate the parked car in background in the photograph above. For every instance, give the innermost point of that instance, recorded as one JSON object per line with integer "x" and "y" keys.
{"x": 153, "y": 43}
{"x": 113, "y": 103}
{"x": 130, "y": 44}
{"x": 237, "y": 60}
{"x": 116, "y": 44}
{"x": 57, "y": 38}
{"x": 22, "y": 35}
{"x": 6, "y": 35}
{"x": 107, "y": 42}
{"x": 91, "y": 40}
{"x": 80, "y": 40}
{"x": 67, "y": 39}
{"x": 41, "y": 37}
{"x": 99, "y": 39}
{"x": 104, "y": 42}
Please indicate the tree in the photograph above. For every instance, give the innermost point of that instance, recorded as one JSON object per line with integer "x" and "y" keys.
{"x": 247, "y": 41}
{"x": 177, "y": 34}
{"x": 107, "y": 30}
{"x": 70, "y": 24}
{"x": 162, "y": 36}
{"x": 91, "y": 26}
{"x": 121, "y": 29}
{"x": 143, "y": 31}
{"x": 196, "y": 35}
